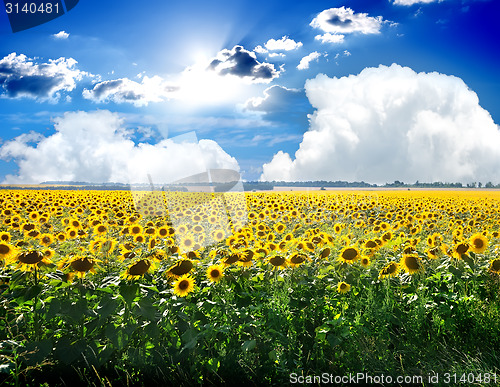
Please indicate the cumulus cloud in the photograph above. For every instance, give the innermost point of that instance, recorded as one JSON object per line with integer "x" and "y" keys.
{"x": 61, "y": 35}
{"x": 330, "y": 38}
{"x": 122, "y": 90}
{"x": 339, "y": 21}
{"x": 283, "y": 44}
{"x": 21, "y": 77}
{"x": 411, "y": 2}
{"x": 391, "y": 123}
{"x": 304, "y": 62}
{"x": 96, "y": 147}
{"x": 244, "y": 64}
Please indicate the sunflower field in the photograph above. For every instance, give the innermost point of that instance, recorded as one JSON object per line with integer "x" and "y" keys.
{"x": 101, "y": 289}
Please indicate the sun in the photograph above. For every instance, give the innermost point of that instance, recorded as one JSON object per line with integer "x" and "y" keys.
{"x": 198, "y": 86}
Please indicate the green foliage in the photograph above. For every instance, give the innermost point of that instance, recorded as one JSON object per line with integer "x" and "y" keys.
{"x": 255, "y": 326}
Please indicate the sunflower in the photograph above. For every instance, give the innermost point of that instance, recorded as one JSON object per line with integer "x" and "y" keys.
{"x": 71, "y": 233}
{"x": 325, "y": 253}
{"x": 218, "y": 235}
{"x": 139, "y": 238}
{"x": 29, "y": 260}
{"x": 411, "y": 263}
{"x": 495, "y": 266}
{"x": 343, "y": 287}
{"x": 137, "y": 269}
{"x": 349, "y": 255}
{"x": 371, "y": 244}
{"x": 278, "y": 261}
{"x": 100, "y": 229}
{"x": 183, "y": 286}
{"x": 215, "y": 273}
{"x": 5, "y": 236}
{"x": 279, "y": 227}
{"x": 135, "y": 229}
{"x": 460, "y": 249}
{"x": 297, "y": 259}
{"x": 245, "y": 258}
{"x": 365, "y": 262}
{"x": 389, "y": 270}
{"x": 233, "y": 258}
{"x": 48, "y": 253}
{"x": 80, "y": 265}
{"x": 433, "y": 252}
{"x": 187, "y": 243}
{"x": 162, "y": 232}
{"x": 478, "y": 243}
{"x": 7, "y": 251}
{"x": 180, "y": 268}
{"x": 46, "y": 239}
{"x": 61, "y": 237}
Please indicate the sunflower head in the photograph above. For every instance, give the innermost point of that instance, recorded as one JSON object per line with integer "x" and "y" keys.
{"x": 137, "y": 269}
{"x": 277, "y": 261}
{"x": 365, "y": 261}
{"x": 389, "y": 270}
{"x": 343, "y": 287}
{"x": 478, "y": 243}
{"x": 349, "y": 254}
{"x": 215, "y": 273}
{"x": 411, "y": 263}
{"x": 297, "y": 259}
{"x": 180, "y": 268}
{"x": 495, "y": 266}
{"x": 183, "y": 286}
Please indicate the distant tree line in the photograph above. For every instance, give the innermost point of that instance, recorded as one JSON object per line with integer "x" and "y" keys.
{"x": 247, "y": 186}
{"x": 439, "y": 184}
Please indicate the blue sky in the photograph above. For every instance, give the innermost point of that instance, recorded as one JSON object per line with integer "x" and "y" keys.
{"x": 356, "y": 90}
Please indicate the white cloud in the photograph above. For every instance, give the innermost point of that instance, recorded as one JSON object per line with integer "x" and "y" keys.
{"x": 344, "y": 21}
{"x": 153, "y": 89}
{"x": 391, "y": 123}
{"x": 21, "y": 77}
{"x": 260, "y": 50}
{"x": 304, "y": 62}
{"x": 411, "y": 2}
{"x": 330, "y": 38}
{"x": 283, "y": 44}
{"x": 61, "y": 35}
{"x": 96, "y": 147}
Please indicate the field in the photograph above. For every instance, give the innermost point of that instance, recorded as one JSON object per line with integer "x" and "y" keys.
{"x": 105, "y": 288}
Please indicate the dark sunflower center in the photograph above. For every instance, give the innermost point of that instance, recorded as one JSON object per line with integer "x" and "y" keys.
{"x": 478, "y": 243}
{"x": 184, "y": 284}
{"x": 31, "y": 257}
{"x": 182, "y": 267}
{"x": 343, "y": 286}
{"x": 462, "y": 248}
{"x": 4, "y": 249}
{"x": 277, "y": 260}
{"x": 139, "y": 268}
{"x": 82, "y": 264}
{"x": 296, "y": 259}
{"x": 495, "y": 265}
{"x": 215, "y": 273}
{"x": 350, "y": 254}
{"x": 412, "y": 263}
